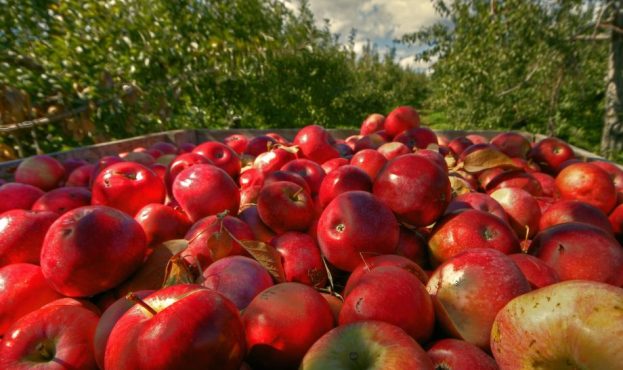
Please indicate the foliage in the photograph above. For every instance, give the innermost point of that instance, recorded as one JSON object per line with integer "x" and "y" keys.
{"x": 517, "y": 65}
{"x": 139, "y": 66}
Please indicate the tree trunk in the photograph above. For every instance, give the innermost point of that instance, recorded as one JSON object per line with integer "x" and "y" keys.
{"x": 612, "y": 135}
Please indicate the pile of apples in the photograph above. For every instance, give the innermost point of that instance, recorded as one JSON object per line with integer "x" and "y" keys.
{"x": 393, "y": 249}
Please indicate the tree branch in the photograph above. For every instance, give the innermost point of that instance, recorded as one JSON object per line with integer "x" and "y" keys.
{"x": 520, "y": 84}
{"x": 612, "y": 27}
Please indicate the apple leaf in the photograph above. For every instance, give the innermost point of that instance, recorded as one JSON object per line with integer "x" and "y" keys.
{"x": 220, "y": 245}
{"x": 484, "y": 159}
{"x": 267, "y": 256}
{"x": 152, "y": 272}
{"x": 459, "y": 186}
{"x": 180, "y": 271}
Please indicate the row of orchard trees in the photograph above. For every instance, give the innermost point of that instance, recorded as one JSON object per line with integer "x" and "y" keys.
{"x": 549, "y": 66}
{"x": 116, "y": 68}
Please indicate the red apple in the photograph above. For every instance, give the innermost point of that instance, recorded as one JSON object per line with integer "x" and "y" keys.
{"x": 562, "y": 326}
{"x": 550, "y": 153}
{"x": 164, "y": 147}
{"x": 252, "y": 218}
{"x": 515, "y": 179}
{"x": 413, "y": 245}
{"x": 393, "y": 149}
{"x": 417, "y": 138}
{"x": 580, "y": 251}
{"x": 334, "y": 163}
{"x": 316, "y": 144}
{"x": 23, "y": 289}
{"x": 479, "y": 201}
{"x": 538, "y": 273}
{"x": 54, "y": 337}
{"x": 41, "y": 171}
{"x": 477, "y": 139}
{"x": 400, "y": 119}
{"x": 616, "y": 220}
{"x": 512, "y": 144}
{"x": 522, "y": 210}
{"x": 469, "y": 290}
{"x": 18, "y": 196}
{"x": 346, "y": 232}
{"x": 273, "y": 160}
{"x": 415, "y": 188}
{"x": 370, "y": 141}
{"x": 369, "y": 160}
{"x": 221, "y": 156}
{"x": 285, "y": 206}
{"x": 564, "y": 211}
{"x": 80, "y": 176}
{"x": 161, "y": 223}
{"x": 203, "y": 190}
{"x": 469, "y": 229}
{"x": 547, "y": 182}
{"x": 179, "y": 164}
{"x": 454, "y": 354}
{"x": 100, "y": 165}
{"x": 107, "y": 322}
{"x": 238, "y": 142}
{"x": 127, "y": 186}
{"x": 180, "y": 327}
{"x": 142, "y": 158}
{"x": 343, "y": 179}
{"x": 300, "y": 256}
{"x": 81, "y": 246}
{"x": 287, "y": 176}
{"x": 459, "y": 144}
{"x": 21, "y": 235}
{"x": 282, "y": 323}
{"x": 259, "y": 144}
{"x": 63, "y": 199}
{"x": 372, "y": 123}
{"x": 238, "y": 278}
{"x": 588, "y": 183}
{"x": 311, "y": 171}
{"x": 370, "y": 345}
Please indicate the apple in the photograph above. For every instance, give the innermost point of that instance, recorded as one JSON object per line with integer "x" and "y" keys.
{"x": 42, "y": 171}
{"x": 562, "y": 326}
{"x": 287, "y": 176}
{"x": 400, "y": 119}
{"x": 550, "y": 153}
{"x": 370, "y": 345}
{"x": 343, "y": 179}
{"x": 515, "y": 179}
{"x": 203, "y": 190}
{"x": 316, "y": 144}
{"x": 413, "y": 245}
{"x": 459, "y": 144}
{"x": 285, "y": 206}
{"x": 107, "y": 322}
{"x": 23, "y": 289}
{"x": 477, "y": 139}
{"x": 417, "y": 138}
{"x": 372, "y": 263}
{"x": 547, "y": 182}
{"x": 273, "y": 159}
{"x": 393, "y": 149}
{"x": 82, "y": 245}
{"x": 301, "y": 259}
{"x": 21, "y": 235}
{"x": 238, "y": 278}
{"x": 538, "y": 273}
{"x": 415, "y": 188}
{"x": 251, "y": 217}
{"x": 210, "y": 239}
{"x": 479, "y": 201}
{"x": 63, "y": 199}
{"x": 588, "y": 183}
{"x": 311, "y": 171}
{"x": 369, "y": 160}
{"x": 455, "y": 354}
{"x": 467, "y": 229}
{"x": 259, "y": 144}
{"x": 512, "y": 144}
{"x": 127, "y": 186}
{"x": 469, "y": 289}
{"x": 521, "y": 208}
{"x": 238, "y": 142}
{"x": 347, "y": 233}
{"x": 282, "y": 323}
{"x": 564, "y": 211}
{"x": 164, "y": 147}
{"x": 53, "y": 337}
{"x": 370, "y": 141}
{"x": 179, "y": 164}
{"x": 80, "y": 176}
{"x": 161, "y": 223}
{"x": 221, "y": 156}
{"x": 15, "y": 195}
{"x": 142, "y": 158}
{"x": 373, "y": 123}
{"x": 616, "y": 221}
{"x": 580, "y": 251}
{"x": 186, "y": 147}
{"x": 180, "y": 327}
{"x": 334, "y": 163}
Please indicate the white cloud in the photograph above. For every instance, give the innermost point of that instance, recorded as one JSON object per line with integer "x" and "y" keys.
{"x": 378, "y": 21}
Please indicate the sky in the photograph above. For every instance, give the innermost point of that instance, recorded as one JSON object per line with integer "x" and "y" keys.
{"x": 380, "y": 21}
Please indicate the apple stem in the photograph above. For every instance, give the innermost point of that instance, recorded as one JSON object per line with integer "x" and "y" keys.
{"x": 134, "y": 298}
